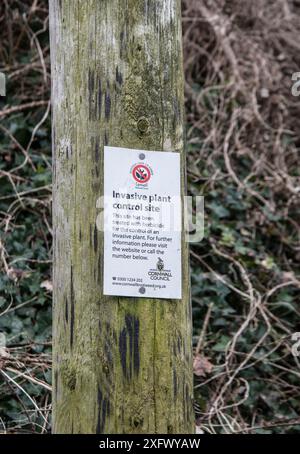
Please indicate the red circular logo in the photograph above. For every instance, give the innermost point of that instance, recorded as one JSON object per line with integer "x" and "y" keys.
{"x": 141, "y": 173}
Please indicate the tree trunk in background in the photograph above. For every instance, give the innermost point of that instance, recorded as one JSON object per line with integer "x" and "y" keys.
{"x": 121, "y": 365}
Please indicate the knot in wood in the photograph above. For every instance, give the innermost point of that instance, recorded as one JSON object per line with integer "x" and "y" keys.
{"x": 143, "y": 125}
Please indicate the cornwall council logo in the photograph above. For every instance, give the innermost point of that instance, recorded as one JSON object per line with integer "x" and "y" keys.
{"x": 141, "y": 174}
{"x": 160, "y": 273}
{"x": 160, "y": 264}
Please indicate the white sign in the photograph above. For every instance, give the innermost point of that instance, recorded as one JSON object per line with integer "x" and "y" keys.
{"x": 142, "y": 223}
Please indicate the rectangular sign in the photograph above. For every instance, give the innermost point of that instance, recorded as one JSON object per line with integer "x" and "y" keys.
{"x": 142, "y": 223}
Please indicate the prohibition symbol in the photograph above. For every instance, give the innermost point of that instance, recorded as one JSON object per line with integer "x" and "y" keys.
{"x": 141, "y": 173}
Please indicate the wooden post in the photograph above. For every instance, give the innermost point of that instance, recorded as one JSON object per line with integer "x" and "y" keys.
{"x": 121, "y": 365}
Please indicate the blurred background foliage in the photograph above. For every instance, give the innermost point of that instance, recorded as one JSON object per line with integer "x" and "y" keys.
{"x": 25, "y": 231}
{"x": 243, "y": 156}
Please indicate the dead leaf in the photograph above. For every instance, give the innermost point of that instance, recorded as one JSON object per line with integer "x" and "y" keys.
{"x": 47, "y": 285}
{"x": 16, "y": 274}
{"x": 202, "y": 366}
{"x": 199, "y": 431}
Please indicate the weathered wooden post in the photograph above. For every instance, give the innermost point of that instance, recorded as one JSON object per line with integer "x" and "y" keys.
{"x": 121, "y": 365}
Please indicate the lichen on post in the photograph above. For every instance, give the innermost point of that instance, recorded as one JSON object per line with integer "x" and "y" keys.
{"x": 121, "y": 365}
